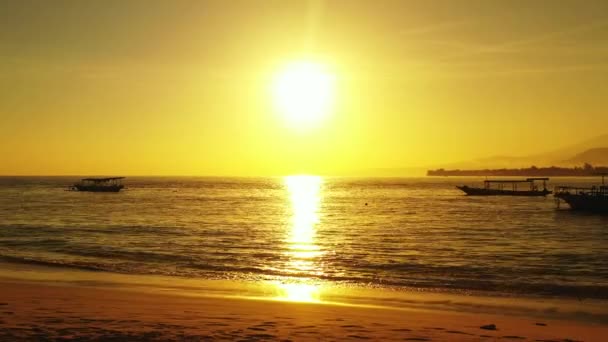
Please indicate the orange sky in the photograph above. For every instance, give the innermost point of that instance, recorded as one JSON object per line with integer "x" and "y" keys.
{"x": 183, "y": 87}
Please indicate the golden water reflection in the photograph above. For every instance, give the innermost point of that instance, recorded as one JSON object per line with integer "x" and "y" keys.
{"x": 303, "y": 252}
{"x": 298, "y": 292}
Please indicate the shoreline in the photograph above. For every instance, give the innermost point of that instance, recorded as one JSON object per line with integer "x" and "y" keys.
{"x": 38, "y": 302}
{"x": 314, "y": 291}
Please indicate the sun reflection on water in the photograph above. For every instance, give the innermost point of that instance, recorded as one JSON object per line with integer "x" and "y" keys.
{"x": 305, "y": 199}
{"x": 298, "y": 292}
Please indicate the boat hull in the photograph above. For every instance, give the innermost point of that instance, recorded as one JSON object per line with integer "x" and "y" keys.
{"x": 497, "y": 192}
{"x": 584, "y": 202}
{"x": 95, "y": 188}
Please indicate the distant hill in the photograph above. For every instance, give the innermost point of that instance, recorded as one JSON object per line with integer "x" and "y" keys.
{"x": 570, "y": 151}
{"x": 593, "y": 156}
{"x": 552, "y": 171}
{"x": 592, "y": 151}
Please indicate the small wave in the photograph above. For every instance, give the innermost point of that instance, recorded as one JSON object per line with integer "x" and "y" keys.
{"x": 53, "y": 263}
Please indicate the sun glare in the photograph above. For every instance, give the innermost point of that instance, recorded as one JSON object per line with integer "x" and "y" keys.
{"x": 305, "y": 199}
{"x": 302, "y": 251}
{"x": 297, "y": 292}
{"x": 304, "y": 91}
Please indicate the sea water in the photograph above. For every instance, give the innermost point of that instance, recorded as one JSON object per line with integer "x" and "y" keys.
{"x": 410, "y": 233}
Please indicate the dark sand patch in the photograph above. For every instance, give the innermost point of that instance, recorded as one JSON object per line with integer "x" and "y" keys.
{"x": 359, "y": 337}
{"x": 267, "y": 325}
{"x": 489, "y": 327}
{"x": 256, "y": 329}
{"x": 457, "y": 332}
{"x": 262, "y": 336}
{"x": 217, "y": 324}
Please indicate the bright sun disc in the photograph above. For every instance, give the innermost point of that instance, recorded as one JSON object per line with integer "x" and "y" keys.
{"x": 303, "y": 91}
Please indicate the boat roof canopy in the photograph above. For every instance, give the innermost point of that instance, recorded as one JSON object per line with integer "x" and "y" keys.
{"x": 102, "y": 179}
{"x": 527, "y": 180}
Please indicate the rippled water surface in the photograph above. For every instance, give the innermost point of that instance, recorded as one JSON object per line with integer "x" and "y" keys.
{"x": 411, "y": 232}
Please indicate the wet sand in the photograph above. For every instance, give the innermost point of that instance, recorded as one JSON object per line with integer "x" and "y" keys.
{"x": 33, "y": 310}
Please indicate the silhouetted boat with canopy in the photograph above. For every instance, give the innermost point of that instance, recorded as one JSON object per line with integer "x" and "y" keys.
{"x": 110, "y": 184}
{"x": 508, "y": 188}
{"x": 593, "y": 199}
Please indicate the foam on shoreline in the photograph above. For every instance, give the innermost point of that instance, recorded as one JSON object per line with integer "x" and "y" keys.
{"x": 323, "y": 293}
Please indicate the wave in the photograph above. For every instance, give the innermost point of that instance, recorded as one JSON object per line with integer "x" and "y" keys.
{"x": 192, "y": 268}
{"x": 53, "y": 263}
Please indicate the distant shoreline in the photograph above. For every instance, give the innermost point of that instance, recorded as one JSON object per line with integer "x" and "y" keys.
{"x": 586, "y": 171}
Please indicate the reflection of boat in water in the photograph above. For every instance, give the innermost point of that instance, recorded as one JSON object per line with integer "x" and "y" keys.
{"x": 594, "y": 199}
{"x": 508, "y": 188}
{"x": 111, "y": 184}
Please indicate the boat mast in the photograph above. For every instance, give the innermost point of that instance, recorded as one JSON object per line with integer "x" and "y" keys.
{"x": 603, "y": 174}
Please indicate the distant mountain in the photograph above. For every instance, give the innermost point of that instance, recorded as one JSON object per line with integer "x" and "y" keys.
{"x": 572, "y": 150}
{"x": 593, "y": 156}
{"x": 593, "y": 151}
{"x": 387, "y": 172}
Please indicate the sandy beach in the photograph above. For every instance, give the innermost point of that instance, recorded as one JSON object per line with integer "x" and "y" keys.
{"x": 87, "y": 308}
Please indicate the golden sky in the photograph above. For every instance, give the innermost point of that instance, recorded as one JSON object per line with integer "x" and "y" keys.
{"x": 185, "y": 87}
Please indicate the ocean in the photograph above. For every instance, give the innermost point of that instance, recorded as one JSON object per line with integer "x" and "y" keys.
{"x": 401, "y": 233}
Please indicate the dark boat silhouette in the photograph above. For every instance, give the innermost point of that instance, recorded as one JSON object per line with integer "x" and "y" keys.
{"x": 110, "y": 184}
{"x": 592, "y": 199}
{"x": 507, "y": 188}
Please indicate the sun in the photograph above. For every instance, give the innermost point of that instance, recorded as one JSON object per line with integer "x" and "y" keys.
{"x": 303, "y": 91}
